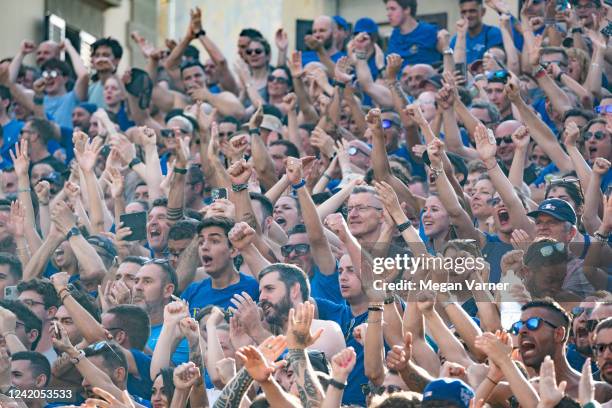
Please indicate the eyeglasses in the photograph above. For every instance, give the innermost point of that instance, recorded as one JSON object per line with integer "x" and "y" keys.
{"x": 352, "y": 151}
{"x": 300, "y": 249}
{"x": 280, "y": 80}
{"x": 498, "y": 76}
{"x": 361, "y": 208}
{"x": 599, "y": 135}
{"x": 505, "y": 139}
{"x": 533, "y": 323}
{"x": 224, "y": 135}
{"x": 386, "y": 124}
{"x": 31, "y": 302}
{"x": 600, "y": 348}
{"x": 493, "y": 201}
{"x": 50, "y": 74}
{"x": 578, "y": 311}
{"x": 603, "y": 109}
{"x": 256, "y": 51}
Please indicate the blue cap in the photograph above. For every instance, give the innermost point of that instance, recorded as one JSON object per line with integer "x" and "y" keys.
{"x": 365, "y": 25}
{"x": 341, "y": 22}
{"x": 89, "y": 107}
{"x": 449, "y": 389}
{"x": 556, "y": 208}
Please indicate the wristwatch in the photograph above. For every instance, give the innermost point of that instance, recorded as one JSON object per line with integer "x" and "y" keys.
{"x": 337, "y": 384}
{"x": 600, "y": 237}
{"x": 448, "y": 51}
{"x": 74, "y": 231}
{"x": 200, "y": 33}
{"x": 134, "y": 162}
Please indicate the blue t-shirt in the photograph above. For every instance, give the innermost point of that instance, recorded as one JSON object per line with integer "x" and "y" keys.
{"x": 201, "y": 294}
{"x": 60, "y": 108}
{"x": 142, "y": 386}
{"x": 325, "y": 286}
{"x": 342, "y": 314}
{"x": 311, "y": 56}
{"x": 10, "y": 136}
{"x": 416, "y": 47}
{"x": 181, "y": 355}
{"x": 418, "y": 169}
{"x": 493, "y": 252}
{"x": 475, "y": 47}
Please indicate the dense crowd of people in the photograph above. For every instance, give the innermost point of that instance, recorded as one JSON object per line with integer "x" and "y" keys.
{"x": 418, "y": 221}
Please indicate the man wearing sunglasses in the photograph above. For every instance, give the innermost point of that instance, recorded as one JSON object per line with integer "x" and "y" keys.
{"x": 602, "y": 349}
{"x": 581, "y": 347}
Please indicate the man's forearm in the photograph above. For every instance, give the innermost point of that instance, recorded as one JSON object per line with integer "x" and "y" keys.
{"x": 41, "y": 257}
{"x": 308, "y": 386}
{"x": 234, "y": 391}
{"x": 415, "y": 377}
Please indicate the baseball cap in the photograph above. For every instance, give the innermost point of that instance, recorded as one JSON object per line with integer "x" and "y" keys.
{"x": 341, "y": 23}
{"x": 89, "y": 107}
{"x": 449, "y": 389}
{"x": 557, "y": 208}
{"x": 365, "y": 25}
{"x": 271, "y": 123}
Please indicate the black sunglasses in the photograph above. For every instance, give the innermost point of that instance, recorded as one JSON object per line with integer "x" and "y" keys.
{"x": 368, "y": 389}
{"x": 533, "y": 323}
{"x": 171, "y": 133}
{"x": 498, "y": 76}
{"x": 599, "y": 135}
{"x": 280, "y": 80}
{"x": 256, "y": 51}
{"x": 300, "y": 249}
{"x": 506, "y": 139}
{"x": 600, "y": 348}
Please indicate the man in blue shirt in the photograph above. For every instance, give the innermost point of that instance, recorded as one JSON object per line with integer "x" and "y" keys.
{"x": 217, "y": 256}
{"x": 479, "y": 37}
{"x": 154, "y": 286}
{"x": 324, "y": 29}
{"x": 415, "y": 41}
{"x": 9, "y": 134}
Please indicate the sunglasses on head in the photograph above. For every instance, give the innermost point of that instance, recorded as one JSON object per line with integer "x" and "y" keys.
{"x": 100, "y": 345}
{"x": 600, "y": 348}
{"x": 300, "y": 249}
{"x": 498, "y": 76}
{"x": 50, "y": 74}
{"x": 256, "y": 51}
{"x": 280, "y": 80}
{"x": 599, "y": 135}
{"x": 564, "y": 180}
{"x": 548, "y": 250}
{"x": 603, "y": 109}
{"x": 505, "y": 139}
{"x": 533, "y": 323}
{"x": 578, "y": 311}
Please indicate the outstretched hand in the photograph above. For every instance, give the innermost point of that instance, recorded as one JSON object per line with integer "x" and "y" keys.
{"x": 298, "y": 329}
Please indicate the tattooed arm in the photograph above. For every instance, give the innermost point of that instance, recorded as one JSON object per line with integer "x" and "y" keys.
{"x": 234, "y": 391}
{"x": 308, "y": 386}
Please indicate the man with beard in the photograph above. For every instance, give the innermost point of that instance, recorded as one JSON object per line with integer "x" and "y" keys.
{"x": 155, "y": 284}
{"x": 581, "y": 348}
{"x": 81, "y": 116}
{"x": 217, "y": 257}
{"x": 602, "y": 348}
{"x": 158, "y": 227}
{"x": 543, "y": 331}
{"x": 324, "y": 30}
{"x": 284, "y": 286}
{"x": 101, "y": 365}
{"x": 30, "y": 371}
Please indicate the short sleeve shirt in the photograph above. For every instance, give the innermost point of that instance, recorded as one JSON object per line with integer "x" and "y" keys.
{"x": 417, "y": 46}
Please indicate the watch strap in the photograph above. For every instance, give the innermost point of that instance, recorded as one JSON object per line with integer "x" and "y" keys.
{"x": 337, "y": 384}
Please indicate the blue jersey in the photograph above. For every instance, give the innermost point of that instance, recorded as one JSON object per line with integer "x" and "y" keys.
{"x": 476, "y": 46}
{"x": 416, "y": 47}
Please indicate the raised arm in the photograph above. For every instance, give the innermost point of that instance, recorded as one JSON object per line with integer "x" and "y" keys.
{"x": 319, "y": 244}
{"x": 521, "y": 139}
{"x": 486, "y": 146}
{"x": 82, "y": 81}
{"x": 593, "y": 80}
{"x": 379, "y": 93}
{"x": 294, "y": 64}
{"x": 593, "y": 196}
{"x": 342, "y": 365}
{"x": 262, "y": 160}
{"x": 399, "y": 358}
{"x": 446, "y": 99}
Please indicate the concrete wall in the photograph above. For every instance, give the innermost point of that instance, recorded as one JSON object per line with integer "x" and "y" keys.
{"x": 18, "y": 22}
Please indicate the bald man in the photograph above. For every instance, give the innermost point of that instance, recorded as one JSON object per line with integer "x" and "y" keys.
{"x": 47, "y": 50}
{"x": 325, "y": 30}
